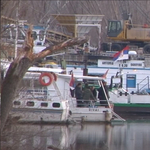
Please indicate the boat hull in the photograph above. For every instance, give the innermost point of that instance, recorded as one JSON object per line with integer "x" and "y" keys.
{"x": 99, "y": 114}
{"x": 132, "y": 108}
{"x": 139, "y": 104}
{"x": 32, "y": 111}
{"x": 38, "y": 115}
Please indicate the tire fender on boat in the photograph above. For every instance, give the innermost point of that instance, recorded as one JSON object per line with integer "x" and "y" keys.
{"x": 45, "y": 74}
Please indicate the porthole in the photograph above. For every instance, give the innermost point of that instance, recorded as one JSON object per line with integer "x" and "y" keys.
{"x": 44, "y": 104}
{"x": 30, "y": 103}
{"x": 17, "y": 103}
{"x": 56, "y": 105}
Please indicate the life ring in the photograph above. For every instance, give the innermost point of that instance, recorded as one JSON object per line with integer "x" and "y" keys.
{"x": 47, "y": 75}
{"x": 54, "y": 76}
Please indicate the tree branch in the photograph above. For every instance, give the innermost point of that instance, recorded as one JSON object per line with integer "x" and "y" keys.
{"x": 19, "y": 67}
{"x": 57, "y": 48}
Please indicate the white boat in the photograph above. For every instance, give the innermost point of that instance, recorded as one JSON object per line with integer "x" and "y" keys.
{"x": 36, "y": 103}
{"x": 133, "y": 71}
{"x": 90, "y": 113}
{"x": 52, "y": 101}
{"x": 130, "y": 102}
{"x": 129, "y": 89}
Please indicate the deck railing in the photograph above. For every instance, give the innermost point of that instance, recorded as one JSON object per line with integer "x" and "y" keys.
{"x": 88, "y": 103}
{"x": 144, "y": 86}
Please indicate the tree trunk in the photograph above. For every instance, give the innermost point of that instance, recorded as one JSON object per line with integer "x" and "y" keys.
{"x": 19, "y": 67}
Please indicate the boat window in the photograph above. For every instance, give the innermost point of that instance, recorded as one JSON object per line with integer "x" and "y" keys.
{"x": 56, "y": 105}
{"x": 17, "y": 103}
{"x": 34, "y": 35}
{"x": 44, "y": 104}
{"x": 41, "y": 35}
{"x": 30, "y": 103}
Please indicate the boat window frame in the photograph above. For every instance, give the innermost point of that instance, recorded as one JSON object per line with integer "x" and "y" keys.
{"x": 44, "y": 104}
{"x": 30, "y": 103}
{"x": 17, "y": 103}
{"x": 56, "y": 105}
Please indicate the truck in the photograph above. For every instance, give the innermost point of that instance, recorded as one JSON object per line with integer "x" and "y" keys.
{"x": 122, "y": 33}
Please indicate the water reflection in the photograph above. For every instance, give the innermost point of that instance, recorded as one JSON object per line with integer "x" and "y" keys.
{"x": 127, "y": 136}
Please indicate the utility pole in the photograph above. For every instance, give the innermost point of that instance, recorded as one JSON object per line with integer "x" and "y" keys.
{"x": 17, "y": 24}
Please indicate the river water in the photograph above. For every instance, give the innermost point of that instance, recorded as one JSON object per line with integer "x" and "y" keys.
{"x": 129, "y": 135}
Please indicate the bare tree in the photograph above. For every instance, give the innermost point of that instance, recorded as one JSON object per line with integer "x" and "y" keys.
{"x": 19, "y": 67}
